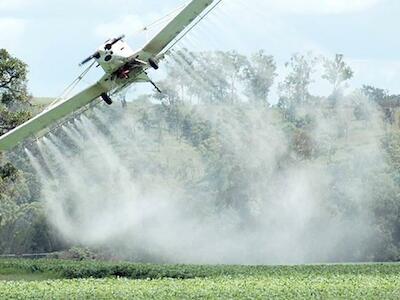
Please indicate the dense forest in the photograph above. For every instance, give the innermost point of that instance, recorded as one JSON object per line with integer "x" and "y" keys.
{"x": 307, "y": 179}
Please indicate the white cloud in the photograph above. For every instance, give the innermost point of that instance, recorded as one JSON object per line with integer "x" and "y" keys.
{"x": 321, "y": 6}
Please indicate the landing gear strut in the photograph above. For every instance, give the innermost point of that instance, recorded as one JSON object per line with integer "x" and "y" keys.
{"x": 155, "y": 86}
{"x": 106, "y": 98}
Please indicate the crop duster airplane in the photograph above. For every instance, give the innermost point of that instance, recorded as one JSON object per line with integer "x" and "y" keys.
{"x": 122, "y": 67}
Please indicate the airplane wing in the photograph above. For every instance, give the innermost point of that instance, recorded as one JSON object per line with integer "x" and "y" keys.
{"x": 185, "y": 18}
{"x": 50, "y": 116}
{"x": 153, "y": 49}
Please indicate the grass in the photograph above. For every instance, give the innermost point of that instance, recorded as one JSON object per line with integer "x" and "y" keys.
{"x": 102, "y": 280}
{"x": 11, "y": 273}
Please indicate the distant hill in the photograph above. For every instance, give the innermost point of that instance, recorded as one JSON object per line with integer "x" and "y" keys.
{"x": 42, "y": 100}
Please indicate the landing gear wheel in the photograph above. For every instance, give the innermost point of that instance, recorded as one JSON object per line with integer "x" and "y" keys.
{"x": 153, "y": 64}
{"x": 106, "y": 98}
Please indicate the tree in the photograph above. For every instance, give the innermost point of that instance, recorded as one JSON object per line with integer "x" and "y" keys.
{"x": 376, "y": 95}
{"x": 14, "y": 110}
{"x": 13, "y": 80}
{"x": 14, "y": 97}
{"x": 219, "y": 76}
{"x": 210, "y": 77}
{"x": 233, "y": 66}
{"x": 388, "y": 103}
{"x": 260, "y": 76}
{"x": 179, "y": 80}
{"x": 336, "y": 73}
{"x": 294, "y": 90}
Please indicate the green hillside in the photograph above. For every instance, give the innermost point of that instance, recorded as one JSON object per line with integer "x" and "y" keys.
{"x": 42, "y": 101}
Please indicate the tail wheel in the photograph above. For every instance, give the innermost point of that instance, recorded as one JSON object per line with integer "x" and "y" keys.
{"x": 106, "y": 98}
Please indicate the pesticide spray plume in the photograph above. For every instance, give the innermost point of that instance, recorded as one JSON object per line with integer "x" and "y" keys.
{"x": 125, "y": 194}
{"x": 112, "y": 181}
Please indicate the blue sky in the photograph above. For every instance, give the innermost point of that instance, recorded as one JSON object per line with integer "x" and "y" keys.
{"x": 53, "y": 36}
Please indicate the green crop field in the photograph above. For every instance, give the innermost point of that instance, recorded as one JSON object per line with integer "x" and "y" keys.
{"x": 51, "y": 279}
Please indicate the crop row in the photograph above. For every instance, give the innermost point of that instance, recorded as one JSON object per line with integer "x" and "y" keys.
{"x": 100, "y": 269}
{"x": 222, "y": 287}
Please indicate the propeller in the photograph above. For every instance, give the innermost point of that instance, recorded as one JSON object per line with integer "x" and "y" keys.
{"x": 109, "y": 45}
{"x": 95, "y": 55}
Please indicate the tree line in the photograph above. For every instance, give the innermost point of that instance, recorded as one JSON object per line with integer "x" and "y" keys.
{"x": 215, "y": 79}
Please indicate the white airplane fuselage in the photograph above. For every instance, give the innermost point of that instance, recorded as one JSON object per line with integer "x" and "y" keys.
{"x": 113, "y": 57}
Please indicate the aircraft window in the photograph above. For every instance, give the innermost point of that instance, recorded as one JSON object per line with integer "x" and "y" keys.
{"x": 108, "y": 58}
